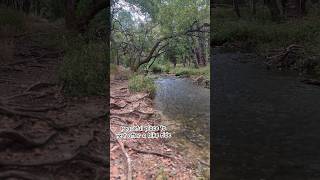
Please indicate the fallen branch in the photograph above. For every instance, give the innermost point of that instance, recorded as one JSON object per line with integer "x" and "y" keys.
{"x": 202, "y": 162}
{"x": 149, "y": 152}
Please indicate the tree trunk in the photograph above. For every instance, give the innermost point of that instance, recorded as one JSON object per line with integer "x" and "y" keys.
{"x": 70, "y": 17}
{"x": 294, "y": 8}
{"x": 236, "y": 7}
{"x": 118, "y": 58}
{"x": 303, "y": 7}
{"x": 202, "y": 53}
{"x": 253, "y": 7}
{"x": 194, "y": 57}
{"x": 274, "y": 9}
{"x": 184, "y": 60}
{"x": 26, "y": 6}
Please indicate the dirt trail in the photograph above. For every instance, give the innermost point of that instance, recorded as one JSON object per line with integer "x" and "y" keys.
{"x": 141, "y": 158}
{"x": 43, "y": 134}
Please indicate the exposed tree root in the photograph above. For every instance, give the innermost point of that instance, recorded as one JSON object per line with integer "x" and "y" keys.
{"x": 23, "y": 140}
{"x": 12, "y": 112}
{"x": 36, "y": 95}
{"x": 47, "y": 55}
{"x": 149, "y": 152}
{"x": 39, "y": 109}
{"x": 78, "y": 154}
{"x": 23, "y": 175}
{"x": 37, "y": 85}
{"x": 129, "y": 172}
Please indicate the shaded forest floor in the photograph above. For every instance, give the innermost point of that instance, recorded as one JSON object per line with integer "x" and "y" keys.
{"x": 141, "y": 158}
{"x": 45, "y": 134}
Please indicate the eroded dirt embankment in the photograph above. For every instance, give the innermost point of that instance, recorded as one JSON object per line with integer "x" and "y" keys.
{"x": 43, "y": 133}
{"x": 141, "y": 158}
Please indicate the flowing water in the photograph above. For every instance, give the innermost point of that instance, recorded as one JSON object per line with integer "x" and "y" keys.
{"x": 181, "y": 100}
{"x": 187, "y": 107}
{"x": 266, "y": 122}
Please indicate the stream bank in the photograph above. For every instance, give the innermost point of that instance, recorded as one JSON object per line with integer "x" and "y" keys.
{"x": 142, "y": 158}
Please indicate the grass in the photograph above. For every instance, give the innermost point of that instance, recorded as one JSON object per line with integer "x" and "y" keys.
{"x": 141, "y": 83}
{"x": 84, "y": 70}
{"x": 188, "y": 71}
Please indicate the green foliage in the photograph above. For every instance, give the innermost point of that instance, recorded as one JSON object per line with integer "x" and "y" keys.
{"x": 82, "y": 6}
{"x": 266, "y": 35}
{"x": 84, "y": 70}
{"x": 141, "y": 83}
{"x": 167, "y": 18}
{"x": 156, "y": 69}
{"x": 188, "y": 71}
{"x": 11, "y": 21}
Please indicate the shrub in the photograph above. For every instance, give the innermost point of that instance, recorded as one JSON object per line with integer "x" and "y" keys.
{"x": 84, "y": 70}
{"x": 11, "y": 21}
{"x": 141, "y": 83}
{"x": 156, "y": 69}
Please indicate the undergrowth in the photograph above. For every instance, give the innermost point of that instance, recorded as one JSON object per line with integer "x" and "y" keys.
{"x": 263, "y": 34}
{"x": 84, "y": 70}
{"x": 141, "y": 83}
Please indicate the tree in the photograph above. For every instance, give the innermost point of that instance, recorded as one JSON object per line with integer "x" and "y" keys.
{"x": 164, "y": 25}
